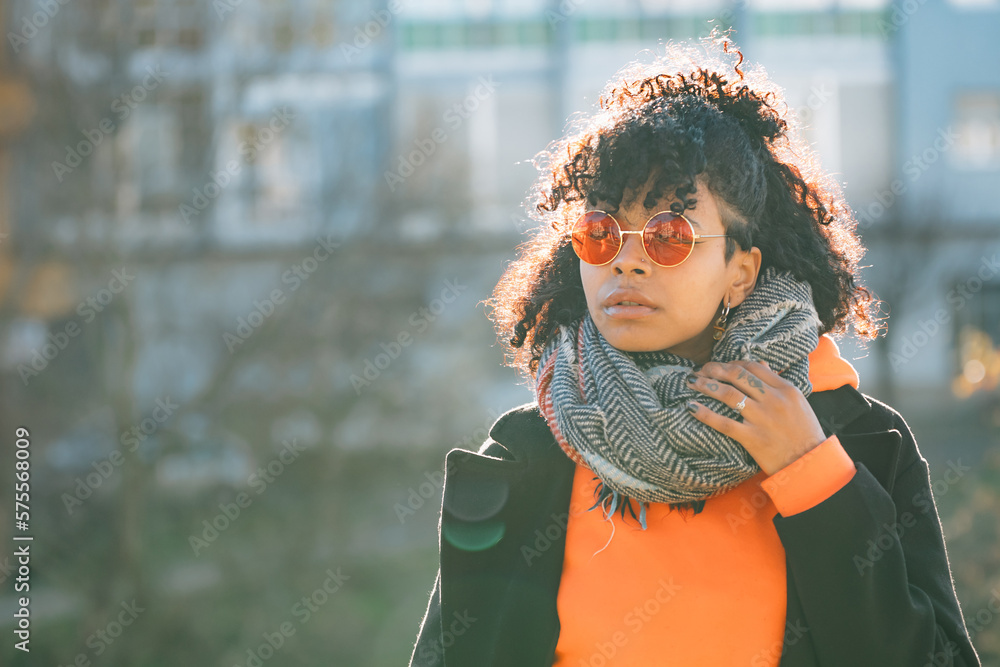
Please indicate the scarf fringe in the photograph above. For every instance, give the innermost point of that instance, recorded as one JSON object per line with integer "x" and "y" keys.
{"x": 604, "y": 493}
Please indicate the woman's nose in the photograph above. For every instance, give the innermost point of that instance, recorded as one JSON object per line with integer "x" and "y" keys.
{"x": 632, "y": 256}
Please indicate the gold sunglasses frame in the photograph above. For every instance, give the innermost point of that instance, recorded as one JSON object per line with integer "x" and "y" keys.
{"x": 621, "y": 237}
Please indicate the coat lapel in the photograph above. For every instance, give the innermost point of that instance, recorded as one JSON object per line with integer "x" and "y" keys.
{"x": 842, "y": 411}
{"x": 502, "y": 543}
{"x": 847, "y": 413}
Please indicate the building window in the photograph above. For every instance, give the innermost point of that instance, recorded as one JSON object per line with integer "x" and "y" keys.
{"x": 164, "y": 148}
{"x": 189, "y": 106}
{"x": 153, "y": 138}
{"x": 278, "y": 171}
{"x": 977, "y": 124}
{"x": 168, "y": 24}
{"x": 279, "y": 186}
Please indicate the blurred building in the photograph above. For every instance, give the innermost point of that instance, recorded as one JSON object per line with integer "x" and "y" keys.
{"x": 17, "y": 111}
{"x": 203, "y": 151}
{"x": 238, "y": 110}
{"x": 210, "y": 145}
{"x": 910, "y": 132}
{"x": 553, "y": 58}
{"x": 945, "y": 229}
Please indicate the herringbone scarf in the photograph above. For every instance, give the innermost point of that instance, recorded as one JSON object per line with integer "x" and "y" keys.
{"x": 623, "y": 415}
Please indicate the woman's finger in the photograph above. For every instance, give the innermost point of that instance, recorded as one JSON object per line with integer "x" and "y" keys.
{"x": 764, "y": 372}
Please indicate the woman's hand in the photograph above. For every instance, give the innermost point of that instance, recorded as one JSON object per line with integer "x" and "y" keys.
{"x": 778, "y": 423}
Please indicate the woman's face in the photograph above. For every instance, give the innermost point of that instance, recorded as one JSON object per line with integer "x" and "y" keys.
{"x": 678, "y": 305}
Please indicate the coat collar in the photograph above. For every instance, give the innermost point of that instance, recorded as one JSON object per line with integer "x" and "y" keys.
{"x": 524, "y": 433}
{"x": 846, "y": 412}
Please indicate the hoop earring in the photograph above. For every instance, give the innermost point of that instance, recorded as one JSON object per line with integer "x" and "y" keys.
{"x": 720, "y": 324}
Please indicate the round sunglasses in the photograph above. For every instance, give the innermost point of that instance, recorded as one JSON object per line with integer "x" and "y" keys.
{"x": 668, "y": 238}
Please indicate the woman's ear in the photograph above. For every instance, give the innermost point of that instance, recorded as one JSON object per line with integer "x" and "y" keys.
{"x": 747, "y": 267}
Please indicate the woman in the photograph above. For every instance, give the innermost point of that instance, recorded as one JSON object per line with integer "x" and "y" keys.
{"x": 673, "y": 317}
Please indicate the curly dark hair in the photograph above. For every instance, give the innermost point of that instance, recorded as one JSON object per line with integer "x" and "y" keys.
{"x": 692, "y": 115}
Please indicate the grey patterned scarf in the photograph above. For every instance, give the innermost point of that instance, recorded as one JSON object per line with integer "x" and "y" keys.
{"x": 623, "y": 416}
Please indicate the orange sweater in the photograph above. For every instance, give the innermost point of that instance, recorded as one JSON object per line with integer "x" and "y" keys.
{"x": 705, "y": 589}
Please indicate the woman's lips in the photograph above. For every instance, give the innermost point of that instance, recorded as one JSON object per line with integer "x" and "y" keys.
{"x": 627, "y": 312}
{"x": 627, "y": 304}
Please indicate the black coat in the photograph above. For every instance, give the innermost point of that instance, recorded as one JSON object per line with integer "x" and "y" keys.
{"x": 895, "y": 607}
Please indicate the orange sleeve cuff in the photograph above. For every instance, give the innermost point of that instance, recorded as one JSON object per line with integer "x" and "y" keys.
{"x": 810, "y": 479}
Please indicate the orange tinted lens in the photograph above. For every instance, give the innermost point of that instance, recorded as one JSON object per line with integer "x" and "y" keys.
{"x": 668, "y": 238}
{"x": 595, "y": 238}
